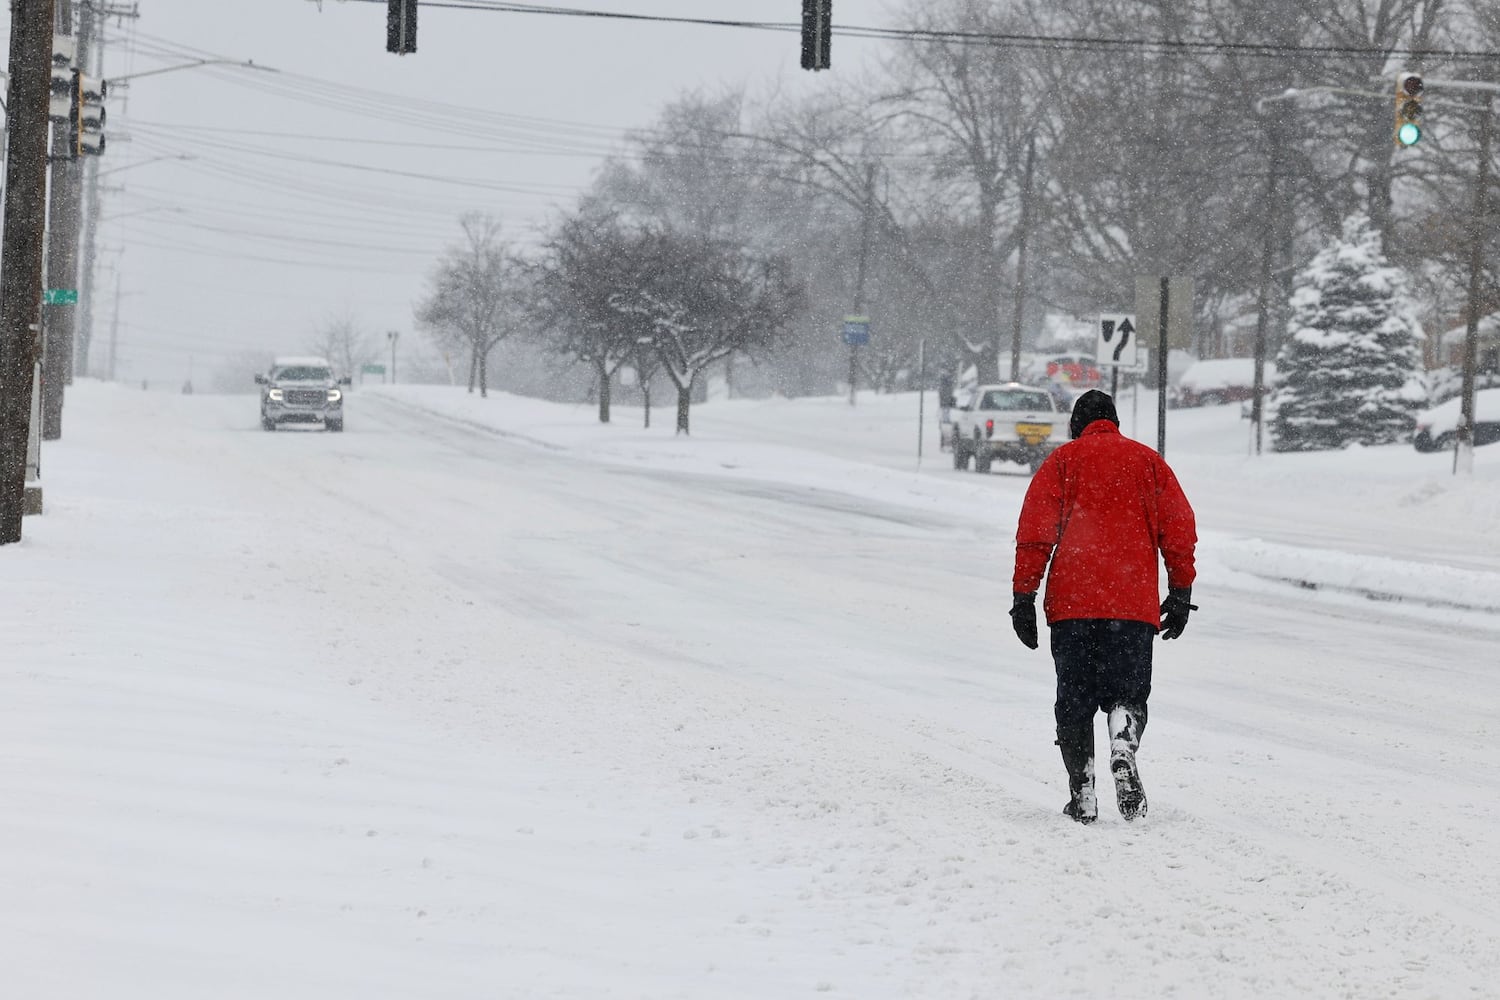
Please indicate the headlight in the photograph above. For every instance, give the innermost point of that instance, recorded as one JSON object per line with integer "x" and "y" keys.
{"x": 334, "y": 395}
{"x": 274, "y": 395}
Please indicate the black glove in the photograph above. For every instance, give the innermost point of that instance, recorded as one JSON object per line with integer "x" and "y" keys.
{"x": 1175, "y": 610}
{"x": 1023, "y": 618}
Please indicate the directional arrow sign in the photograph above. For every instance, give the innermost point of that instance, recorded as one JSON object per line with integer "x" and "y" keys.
{"x": 1116, "y": 345}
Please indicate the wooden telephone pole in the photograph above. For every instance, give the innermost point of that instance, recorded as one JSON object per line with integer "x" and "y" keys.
{"x": 21, "y": 259}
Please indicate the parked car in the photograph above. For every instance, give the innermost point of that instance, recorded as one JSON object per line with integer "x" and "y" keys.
{"x": 1010, "y": 422}
{"x": 1437, "y": 428}
{"x": 1077, "y": 370}
{"x": 1219, "y": 380}
{"x": 301, "y": 390}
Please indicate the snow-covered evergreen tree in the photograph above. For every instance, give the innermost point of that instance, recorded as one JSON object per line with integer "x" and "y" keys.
{"x": 1351, "y": 367}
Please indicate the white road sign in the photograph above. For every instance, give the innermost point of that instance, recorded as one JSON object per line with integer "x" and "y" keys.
{"x": 1117, "y": 339}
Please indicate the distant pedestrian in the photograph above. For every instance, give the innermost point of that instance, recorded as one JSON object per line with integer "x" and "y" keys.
{"x": 1097, "y": 514}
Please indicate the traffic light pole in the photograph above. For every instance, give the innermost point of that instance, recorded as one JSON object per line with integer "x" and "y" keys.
{"x": 1463, "y": 455}
{"x": 27, "y": 101}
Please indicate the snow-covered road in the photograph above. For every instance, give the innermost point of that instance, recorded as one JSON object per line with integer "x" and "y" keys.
{"x": 434, "y": 709}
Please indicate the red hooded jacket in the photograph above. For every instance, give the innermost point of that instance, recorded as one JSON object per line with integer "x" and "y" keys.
{"x": 1101, "y": 508}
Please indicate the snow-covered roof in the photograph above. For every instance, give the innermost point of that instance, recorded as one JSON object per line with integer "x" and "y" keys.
{"x": 1489, "y": 327}
{"x": 1445, "y": 415}
{"x": 1222, "y": 373}
{"x": 1061, "y": 331}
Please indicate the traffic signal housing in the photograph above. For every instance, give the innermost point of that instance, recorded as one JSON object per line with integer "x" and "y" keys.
{"x": 88, "y": 114}
{"x": 817, "y": 33}
{"x": 60, "y": 100}
{"x": 1409, "y": 90}
{"x": 401, "y": 26}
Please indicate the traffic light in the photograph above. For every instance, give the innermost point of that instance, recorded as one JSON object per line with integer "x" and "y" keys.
{"x": 88, "y": 114}
{"x": 817, "y": 31}
{"x": 401, "y": 26}
{"x": 1408, "y": 109}
{"x": 60, "y": 103}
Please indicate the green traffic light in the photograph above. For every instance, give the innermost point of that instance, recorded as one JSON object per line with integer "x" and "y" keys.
{"x": 1408, "y": 134}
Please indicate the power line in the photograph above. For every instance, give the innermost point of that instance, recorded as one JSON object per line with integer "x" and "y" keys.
{"x": 387, "y": 171}
{"x": 999, "y": 39}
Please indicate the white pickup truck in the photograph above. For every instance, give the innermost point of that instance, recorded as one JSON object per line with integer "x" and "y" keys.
{"x": 1010, "y": 422}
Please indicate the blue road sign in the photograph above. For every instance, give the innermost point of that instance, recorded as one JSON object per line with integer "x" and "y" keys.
{"x": 856, "y": 330}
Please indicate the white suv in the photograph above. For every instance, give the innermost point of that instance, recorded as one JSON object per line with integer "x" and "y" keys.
{"x": 1010, "y": 422}
{"x": 301, "y": 390}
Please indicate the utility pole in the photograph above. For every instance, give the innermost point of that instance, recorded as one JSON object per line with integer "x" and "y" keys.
{"x": 84, "y": 334}
{"x": 1015, "y": 326}
{"x": 859, "y": 282}
{"x": 25, "y": 221}
{"x": 92, "y": 10}
{"x": 393, "y": 335}
{"x": 62, "y": 247}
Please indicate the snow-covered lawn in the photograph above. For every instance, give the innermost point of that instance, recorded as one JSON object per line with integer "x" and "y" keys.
{"x": 484, "y": 699}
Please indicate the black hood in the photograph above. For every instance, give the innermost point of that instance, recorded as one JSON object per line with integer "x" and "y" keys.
{"x": 1092, "y": 405}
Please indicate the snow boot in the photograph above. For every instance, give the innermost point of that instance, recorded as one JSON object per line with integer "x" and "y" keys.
{"x": 1124, "y": 740}
{"x": 1083, "y": 805}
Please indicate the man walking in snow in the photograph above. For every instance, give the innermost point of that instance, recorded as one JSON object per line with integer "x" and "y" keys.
{"x": 1100, "y": 509}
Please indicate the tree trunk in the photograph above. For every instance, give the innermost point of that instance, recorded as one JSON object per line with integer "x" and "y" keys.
{"x": 484, "y": 373}
{"x": 646, "y": 394}
{"x": 603, "y": 374}
{"x": 684, "y": 400}
{"x": 473, "y": 366}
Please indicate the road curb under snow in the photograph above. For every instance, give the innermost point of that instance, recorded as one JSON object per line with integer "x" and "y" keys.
{"x": 1375, "y": 577}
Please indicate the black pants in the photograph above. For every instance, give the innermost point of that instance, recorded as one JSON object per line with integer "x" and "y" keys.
{"x": 1102, "y": 663}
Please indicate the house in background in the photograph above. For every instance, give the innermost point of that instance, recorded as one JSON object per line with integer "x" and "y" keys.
{"x": 1450, "y": 348}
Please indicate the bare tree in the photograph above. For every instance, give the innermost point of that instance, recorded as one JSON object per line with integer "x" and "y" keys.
{"x": 586, "y": 262}
{"x": 475, "y": 295}
{"x": 706, "y": 300}
{"x": 693, "y": 170}
{"x": 342, "y": 342}
{"x": 971, "y": 110}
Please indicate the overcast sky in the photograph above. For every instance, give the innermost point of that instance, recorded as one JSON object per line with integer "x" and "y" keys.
{"x": 270, "y": 229}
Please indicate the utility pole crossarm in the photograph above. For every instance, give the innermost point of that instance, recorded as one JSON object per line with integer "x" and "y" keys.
{"x": 241, "y": 63}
